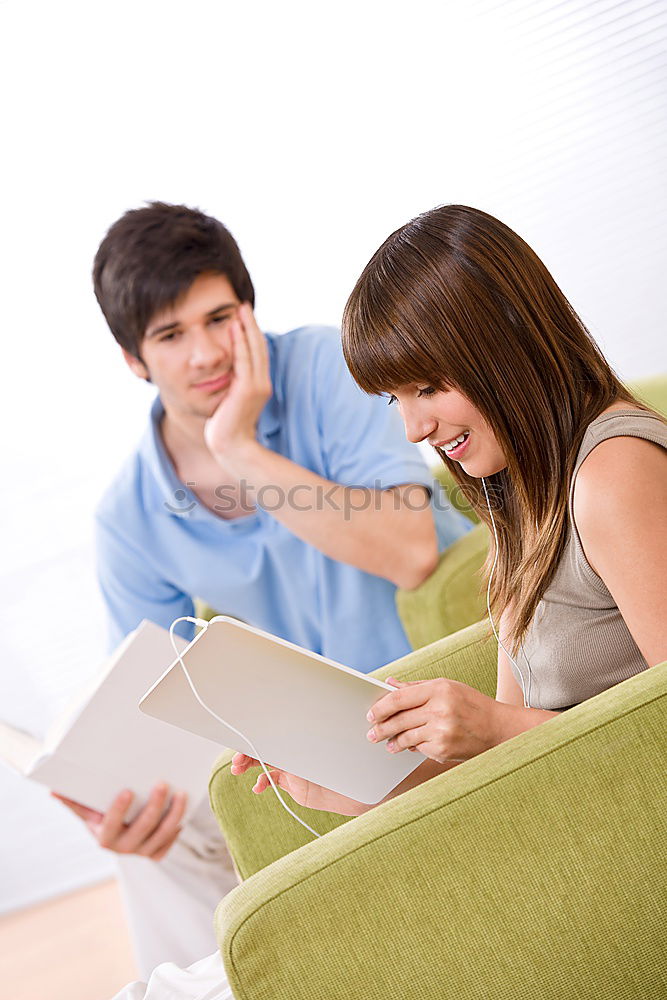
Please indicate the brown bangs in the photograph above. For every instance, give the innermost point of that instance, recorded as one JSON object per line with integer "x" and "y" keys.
{"x": 388, "y": 337}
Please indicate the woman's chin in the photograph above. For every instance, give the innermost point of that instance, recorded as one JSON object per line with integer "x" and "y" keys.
{"x": 479, "y": 469}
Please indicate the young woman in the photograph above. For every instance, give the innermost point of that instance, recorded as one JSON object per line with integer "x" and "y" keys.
{"x": 460, "y": 324}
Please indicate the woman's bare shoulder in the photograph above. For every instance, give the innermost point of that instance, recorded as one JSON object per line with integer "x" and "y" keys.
{"x": 621, "y": 484}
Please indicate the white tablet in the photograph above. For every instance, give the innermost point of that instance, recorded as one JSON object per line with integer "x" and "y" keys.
{"x": 304, "y": 713}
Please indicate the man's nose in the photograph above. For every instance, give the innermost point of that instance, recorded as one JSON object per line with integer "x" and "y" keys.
{"x": 207, "y": 349}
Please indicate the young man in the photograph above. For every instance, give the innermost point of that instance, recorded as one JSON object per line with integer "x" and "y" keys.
{"x": 266, "y": 485}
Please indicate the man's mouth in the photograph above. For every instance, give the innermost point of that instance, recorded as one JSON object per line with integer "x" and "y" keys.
{"x": 214, "y": 384}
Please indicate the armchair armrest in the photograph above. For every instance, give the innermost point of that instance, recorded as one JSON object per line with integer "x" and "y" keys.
{"x": 257, "y": 829}
{"x": 533, "y": 870}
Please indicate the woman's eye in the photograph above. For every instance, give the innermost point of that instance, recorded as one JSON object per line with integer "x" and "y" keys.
{"x": 219, "y": 319}
{"x": 168, "y": 336}
{"x": 428, "y": 391}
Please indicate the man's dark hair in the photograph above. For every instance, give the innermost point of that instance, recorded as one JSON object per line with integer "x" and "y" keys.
{"x": 149, "y": 259}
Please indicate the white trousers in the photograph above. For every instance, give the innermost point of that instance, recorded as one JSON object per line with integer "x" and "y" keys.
{"x": 205, "y": 980}
{"x": 170, "y": 903}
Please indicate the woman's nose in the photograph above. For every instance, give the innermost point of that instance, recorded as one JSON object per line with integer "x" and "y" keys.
{"x": 417, "y": 426}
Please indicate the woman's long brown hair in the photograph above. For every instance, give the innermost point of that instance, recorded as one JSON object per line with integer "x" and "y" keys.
{"x": 455, "y": 299}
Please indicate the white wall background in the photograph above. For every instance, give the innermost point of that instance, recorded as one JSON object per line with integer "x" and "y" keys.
{"x": 311, "y": 130}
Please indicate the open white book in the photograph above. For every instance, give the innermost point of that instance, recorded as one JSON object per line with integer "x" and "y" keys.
{"x": 104, "y": 743}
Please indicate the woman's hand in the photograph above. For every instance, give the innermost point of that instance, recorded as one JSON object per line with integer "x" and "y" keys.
{"x": 305, "y": 793}
{"x": 445, "y": 720}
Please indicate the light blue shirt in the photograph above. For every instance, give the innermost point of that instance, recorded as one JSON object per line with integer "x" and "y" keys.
{"x": 158, "y": 545}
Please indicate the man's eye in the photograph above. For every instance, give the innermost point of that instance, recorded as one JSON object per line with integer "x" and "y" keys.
{"x": 391, "y": 399}
{"x": 169, "y": 336}
{"x": 220, "y": 319}
{"x": 428, "y": 391}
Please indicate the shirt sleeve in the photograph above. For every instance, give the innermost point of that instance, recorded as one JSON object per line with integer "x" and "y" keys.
{"x": 132, "y": 590}
{"x": 362, "y": 438}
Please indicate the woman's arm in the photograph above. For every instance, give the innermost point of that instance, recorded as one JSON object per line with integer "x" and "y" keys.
{"x": 447, "y": 721}
{"x": 620, "y": 510}
{"x": 313, "y": 796}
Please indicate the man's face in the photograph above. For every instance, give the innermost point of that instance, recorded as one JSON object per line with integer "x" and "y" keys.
{"x": 187, "y": 351}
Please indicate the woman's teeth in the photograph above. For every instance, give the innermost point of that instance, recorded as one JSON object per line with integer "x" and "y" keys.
{"x": 456, "y": 441}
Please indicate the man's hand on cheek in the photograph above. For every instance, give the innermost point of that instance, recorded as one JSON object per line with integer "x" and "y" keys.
{"x": 233, "y": 426}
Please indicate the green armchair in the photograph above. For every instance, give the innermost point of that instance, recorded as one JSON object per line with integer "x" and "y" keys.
{"x": 534, "y": 870}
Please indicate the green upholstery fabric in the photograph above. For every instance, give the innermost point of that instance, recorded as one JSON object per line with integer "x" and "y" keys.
{"x": 535, "y": 870}
{"x": 652, "y": 391}
{"x": 452, "y": 489}
{"x": 454, "y": 595}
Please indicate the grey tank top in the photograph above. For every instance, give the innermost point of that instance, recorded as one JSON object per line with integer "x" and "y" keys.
{"x": 578, "y": 643}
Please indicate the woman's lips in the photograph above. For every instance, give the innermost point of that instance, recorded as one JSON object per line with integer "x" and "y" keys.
{"x": 455, "y": 452}
{"x": 460, "y": 448}
{"x": 215, "y": 384}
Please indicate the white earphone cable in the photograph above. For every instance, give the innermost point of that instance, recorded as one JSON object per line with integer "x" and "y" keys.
{"x": 526, "y": 697}
{"x": 202, "y": 623}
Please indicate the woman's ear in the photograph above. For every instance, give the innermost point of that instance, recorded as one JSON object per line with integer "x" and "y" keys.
{"x": 136, "y": 365}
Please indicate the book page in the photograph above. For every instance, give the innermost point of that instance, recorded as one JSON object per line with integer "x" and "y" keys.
{"x": 19, "y": 749}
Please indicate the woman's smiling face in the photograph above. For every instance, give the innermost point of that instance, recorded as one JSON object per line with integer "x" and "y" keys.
{"x": 440, "y": 417}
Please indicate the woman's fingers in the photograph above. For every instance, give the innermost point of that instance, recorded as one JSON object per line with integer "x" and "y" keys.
{"x": 397, "y": 724}
{"x": 263, "y": 782}
{"x": 407, "y": 740}
{"x": 241, "y": 762}
{"x": 410, "y": 696}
